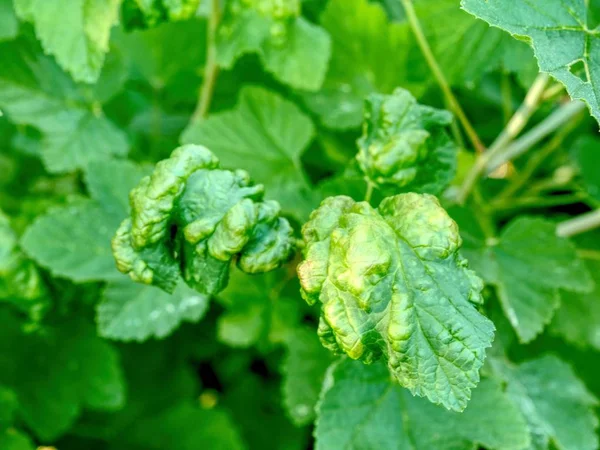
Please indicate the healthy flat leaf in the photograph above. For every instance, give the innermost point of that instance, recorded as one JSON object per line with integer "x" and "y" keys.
{"x": 35, "y": 92}
{"x": 578, "y": 318}
{"x": 11, "y": 439}
{"x": 9, "y": 24}
{"x": 564, "y": 39}
{"x": 404, "y": 146}
{"x": 586, "y": 153}
{"x": 393, "y": 285}
{"x": 8, "y": 406}
{"x": 303, "y": 370}
{"x": 75, "y": 32}
{"x": 528, "y": 264}
{"x": 294, "y": 50}
{"x": 556, "y": 404}
{"x": 131, "y": 311}
{"x": 187, "y": 427}
{"x": 362, "y": 408}
{"x": 266, "y": 134}
{"x": 79, "y": 370}
{"x": 74, "y": 242}
{"x": 190, "y": 219}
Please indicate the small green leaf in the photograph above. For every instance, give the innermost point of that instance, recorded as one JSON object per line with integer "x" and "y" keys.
{"x": 266, "y": 134}
{"x": 144, "y": 14}
{"x": 563, "y": 37}
{"x": 9, "y": 24}
{"x": 76, "y": 32}
{"x": 393, "y": 285}
{"x": 134, "y": 312}
{"x": 295, "y": 51}
{"x": 74, "y": 242}
{"x": 11, "y": 439}
{"x": 557, "y": 405}
{"x": 362, "y": 408}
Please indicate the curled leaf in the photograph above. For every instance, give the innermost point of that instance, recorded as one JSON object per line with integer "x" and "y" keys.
{"x": 190, "y": 218}
{"x": 404, "y": 144}
{"x": 393, "y": 285}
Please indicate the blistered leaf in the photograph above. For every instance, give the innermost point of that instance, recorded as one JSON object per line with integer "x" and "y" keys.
{"x": 528, "y": 264}
{"x": 266, "y": 134}
{"x": 35, "y": 92}
{"x": 404, "y": 145}
{"x": 81, "y": 44}
{"x": 362, "y": 408}
{"x": 556, "y": 404}
{"x": 294, "y": 50}
{"x": 144, "y": 14}
{"x": 190, "y": 219}
{"x": 79, "y": 370}
{"x": 130, "y": 311}
{"x": 393, "y": 285}
{"x": 564, "y": 39}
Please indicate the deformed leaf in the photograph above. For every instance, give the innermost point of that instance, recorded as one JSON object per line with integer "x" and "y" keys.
{"x": 266, "y": 134}
{"x": 191, "y": 219}
{"x": 404, "y": 144}
{"x": 134, "y": 312}
{"x": 393, "y": 285}
{"x": 294, "y": 50}
{"x": 362, "y": 408}
{"x": 564, "y": 39}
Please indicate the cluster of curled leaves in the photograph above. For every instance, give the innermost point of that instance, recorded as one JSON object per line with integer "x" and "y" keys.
{"x": 234, "y": 225}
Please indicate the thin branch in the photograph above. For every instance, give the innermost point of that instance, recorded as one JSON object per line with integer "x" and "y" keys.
{"x": 439, "y": 75}
{"x": 514, "y": 126}
{"x": 211, "y": 68}
{"x": 579, "y": 224}
{"x": 555, "y": 120}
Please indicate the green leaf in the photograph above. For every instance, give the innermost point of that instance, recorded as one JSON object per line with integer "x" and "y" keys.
{"x": 190, "y": 219}
{"x": 144, "y": 14}
{"x": 130, "y": 311}
{"x": 11, "y": 439}
{"x": 578, "y": 318}
{"x": 563, "y": 37}
{"x": 74, "y": 242}
{"x": 362, "y": 408}
{"x": 556, "y": 404}
{"x": 303, "y": 370}
{"x": 34, "y": 91}
{"x": 266, "y": 134}
{"x": 362, "y": 42}
{"x": 9, "y": 24}
{"x": 8, "y": 406}
{"x": 587, "y": 158}
{"x": 404, "y": 145}
{"x": 79, "y": 370}
{"x": 528, "y": 264}
{"x": 76, "y": 32}
{"x": 394, "y": 286}
{"x": 295, "y": 51}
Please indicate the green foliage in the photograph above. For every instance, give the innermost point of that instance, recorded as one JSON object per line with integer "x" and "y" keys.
{"x": 244, "y": 161}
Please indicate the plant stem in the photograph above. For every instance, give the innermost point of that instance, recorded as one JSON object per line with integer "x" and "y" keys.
{"x": 588, "y": 254}
{"x": 539, "y": 132}
{"x": 369, "y": 192}
{"x": 579, "y": 224}
{"x": 211, "y": 69}
{"x": 506, "y": 97}
{"x": 439, "y": 75}
{"x": 513, "y": 127}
